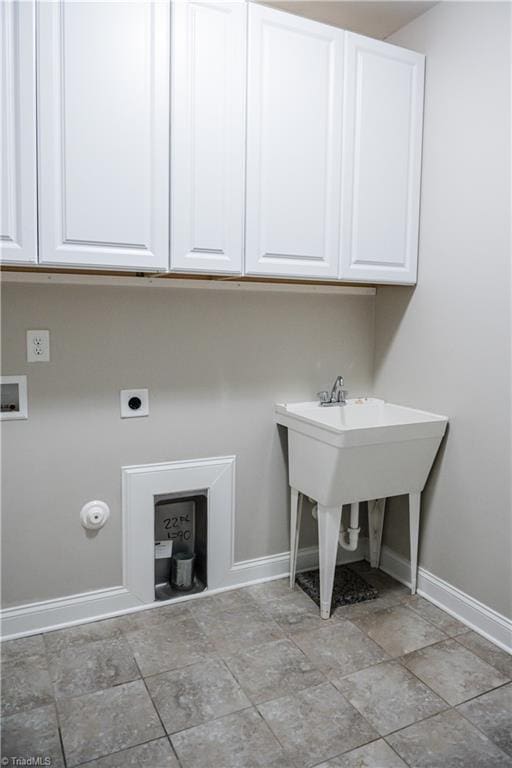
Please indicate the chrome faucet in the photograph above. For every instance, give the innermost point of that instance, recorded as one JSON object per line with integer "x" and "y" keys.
{"x": 337, "y": 396}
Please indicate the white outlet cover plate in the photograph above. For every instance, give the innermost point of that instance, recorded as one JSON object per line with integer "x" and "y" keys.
{"x": 127, "y": 395}
{"x": 38, "y": 346}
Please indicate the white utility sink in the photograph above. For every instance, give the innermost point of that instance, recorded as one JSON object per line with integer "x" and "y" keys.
{"x": 364, "y": 450}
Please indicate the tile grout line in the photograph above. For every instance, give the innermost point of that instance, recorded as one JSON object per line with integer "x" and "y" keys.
{"x": 322, "y": 670}
{"x": 276, "y": 737}
{"x": 212, "y": 720}
{"x": 399, "y": 730}
{"x": 421, "y": 719}
{"x": 58, "y": 698}
{"x": 471, "y": 698}
{"x": 61, "y": 742}
{"x": 448, "y": 708}
{"x": 151, "y": 700}
{"x": 397, "y": 753}
{"x": 205, "y": 722}
{"x": 118, "y": 752}
{"x": 481, "y": 657}
{"x": 431, "y": 717}
{"x": 422, "y": 682}
{"x": 484, "y": 693}
{"x": 54, "y": 702}
{"x": 279, "y": 696}
{"x": 398, "y": 660}
{"x": 166, "y": 735}
{"x": 474, "y": 725}
{"x": 429, "y": 621}
{"x": 235, "y": 677}
{"x": 362, "y": 746}
{"x": 350, "y": 705}
{"x": 133, "y": 746}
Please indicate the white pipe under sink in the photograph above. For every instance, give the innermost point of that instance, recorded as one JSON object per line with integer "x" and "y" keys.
{"x": 349, "y": 537}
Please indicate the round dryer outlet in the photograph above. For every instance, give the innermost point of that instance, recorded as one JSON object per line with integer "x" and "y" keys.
{"x": 134, "y": 402}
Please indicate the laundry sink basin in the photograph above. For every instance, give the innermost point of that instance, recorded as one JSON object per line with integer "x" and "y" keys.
{"x": 361, "y": 450}
{"x": 365, "y": 449}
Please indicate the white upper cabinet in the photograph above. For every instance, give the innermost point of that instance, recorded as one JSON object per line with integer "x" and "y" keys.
{"x": 381, "y": 161}
{"x": 103, "y": 127}
{"x": 294, "y": 121}
{"x": 255, "y": 142}
{"x": 18, "y": 195}
{"x": 208, "y": 135}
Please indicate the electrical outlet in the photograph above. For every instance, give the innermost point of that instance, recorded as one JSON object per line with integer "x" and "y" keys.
{"x": 38, "y": 346}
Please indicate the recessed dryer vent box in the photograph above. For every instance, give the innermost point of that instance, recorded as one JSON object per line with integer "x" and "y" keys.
{"x": 13, "y": 397}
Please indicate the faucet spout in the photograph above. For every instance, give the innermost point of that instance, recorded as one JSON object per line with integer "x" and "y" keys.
{"x": 336, "y": 396}
{"x": 337, "y": 391}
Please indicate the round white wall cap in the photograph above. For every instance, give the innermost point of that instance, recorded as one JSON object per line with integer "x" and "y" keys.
{"x": 94, "y": 515}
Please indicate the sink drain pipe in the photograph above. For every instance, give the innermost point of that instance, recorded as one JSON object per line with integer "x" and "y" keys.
{"x": 348, "y": 537}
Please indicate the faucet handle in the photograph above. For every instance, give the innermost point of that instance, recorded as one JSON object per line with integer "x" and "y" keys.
{"x": 324, "y": 396}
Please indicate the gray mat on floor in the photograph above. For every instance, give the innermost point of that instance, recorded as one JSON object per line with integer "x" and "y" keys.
{"x": 349, "y": 586}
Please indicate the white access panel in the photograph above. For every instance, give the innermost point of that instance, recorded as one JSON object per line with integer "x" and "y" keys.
{"x": 294, "y": 122}
{"x": 18, "y": 194}
{"x": 103, "y": 127}
{"x": 381, "y": 161}
{"x": 209, "y": 47}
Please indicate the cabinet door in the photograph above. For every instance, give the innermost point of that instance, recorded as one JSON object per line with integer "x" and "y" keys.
{"x": 295, "y": 87}
{"x": 208, "y": 135}
{"x": 104, "y": 134}
{"x": 381, "y": 161}
{"x": 18, "y": 228}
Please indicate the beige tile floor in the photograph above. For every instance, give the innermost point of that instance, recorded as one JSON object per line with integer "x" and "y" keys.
{"x": 255, "y": 679}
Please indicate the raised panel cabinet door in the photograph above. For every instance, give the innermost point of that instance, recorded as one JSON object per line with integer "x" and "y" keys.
{"x": 294, "y": 122}
{"x": 103, "y": 122}
{"x": 208, "y": 135}
{"x": 381, "y": 161}
{"x": 18, "y": 193}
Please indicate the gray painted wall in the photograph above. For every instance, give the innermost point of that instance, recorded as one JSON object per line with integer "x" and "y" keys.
{"x": 214, "y": 362}
{"x": 445, "y": 346}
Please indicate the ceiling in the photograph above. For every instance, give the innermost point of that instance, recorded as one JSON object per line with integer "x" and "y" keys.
{"x": 375, "y": 19}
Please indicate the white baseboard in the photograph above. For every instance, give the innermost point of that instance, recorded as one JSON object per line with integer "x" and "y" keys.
{"x": 276, "y": 566}
{"x": 395, "y": 565}
{"x": 482, "y": 619}
{"x": 65, "y": 611}
{"x": 47, "y": 615}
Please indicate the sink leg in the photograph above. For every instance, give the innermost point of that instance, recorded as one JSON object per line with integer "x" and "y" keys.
{"x": 329, "y": 519}
{"x": 376, "y": 509}
{"x": 414, "y": 528}
{"x": 296, "y": 499}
